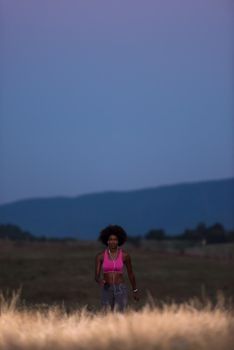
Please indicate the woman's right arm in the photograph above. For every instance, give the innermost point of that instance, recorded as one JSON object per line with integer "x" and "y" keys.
{"x": 98, "y": 264}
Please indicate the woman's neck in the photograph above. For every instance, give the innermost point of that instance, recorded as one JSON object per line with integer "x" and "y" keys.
{"x": 113, "y": 250}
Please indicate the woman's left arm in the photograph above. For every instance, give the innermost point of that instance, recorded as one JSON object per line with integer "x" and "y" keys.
{"x": 131, "y": 275}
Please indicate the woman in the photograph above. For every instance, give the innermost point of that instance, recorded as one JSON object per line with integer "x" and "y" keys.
{"x": 114, "y": 292}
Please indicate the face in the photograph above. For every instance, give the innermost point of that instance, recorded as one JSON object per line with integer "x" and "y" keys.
{"x": 113, "y": 241}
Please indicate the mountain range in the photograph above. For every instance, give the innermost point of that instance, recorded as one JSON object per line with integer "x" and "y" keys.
{"x": 173, "y": 208}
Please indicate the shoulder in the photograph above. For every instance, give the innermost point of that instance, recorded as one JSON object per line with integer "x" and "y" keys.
{"x": 99, "y": 255}
{"x": 126, "y": 255}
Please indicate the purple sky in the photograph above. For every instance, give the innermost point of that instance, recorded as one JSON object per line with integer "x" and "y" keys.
{"x": 113, "y": 95}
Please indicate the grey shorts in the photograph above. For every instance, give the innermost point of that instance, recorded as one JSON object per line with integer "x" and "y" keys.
{"x": 114, "y": 297}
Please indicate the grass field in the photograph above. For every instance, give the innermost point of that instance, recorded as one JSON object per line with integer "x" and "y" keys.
{"x": 190, "y": 325}
{"x": 55, "y": 273}
{"x": 185, "y": 301}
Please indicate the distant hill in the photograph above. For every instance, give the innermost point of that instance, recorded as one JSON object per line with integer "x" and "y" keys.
{"x": 173, "y": 208}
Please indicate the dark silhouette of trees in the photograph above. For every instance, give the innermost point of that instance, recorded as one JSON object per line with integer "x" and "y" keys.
{"x": 216, "y": 234}
{"x": 135, "y": 240}
{"x": 158, "y": 234}
{"x": 206, "y": 235}
{"x": 14, "y": 232}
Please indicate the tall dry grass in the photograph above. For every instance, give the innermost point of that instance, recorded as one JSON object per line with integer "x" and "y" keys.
{"x": 193, "y": 325}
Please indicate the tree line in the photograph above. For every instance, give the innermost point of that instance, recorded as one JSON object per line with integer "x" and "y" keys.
{"x": 201, "y": 233}
{"x": 14, "y": 232}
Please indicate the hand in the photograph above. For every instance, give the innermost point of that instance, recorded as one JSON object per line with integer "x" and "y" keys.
{"x": 136, "y": 295}
{"x": 101, "y": 283}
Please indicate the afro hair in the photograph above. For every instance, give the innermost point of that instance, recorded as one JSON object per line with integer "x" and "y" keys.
{"x": 113, "y": 230}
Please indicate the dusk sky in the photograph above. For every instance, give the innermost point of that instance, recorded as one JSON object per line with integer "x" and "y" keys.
{"x": 113, "y": 95}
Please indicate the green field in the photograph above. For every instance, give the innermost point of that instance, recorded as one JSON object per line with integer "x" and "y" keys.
{"x": 63, "y": 273}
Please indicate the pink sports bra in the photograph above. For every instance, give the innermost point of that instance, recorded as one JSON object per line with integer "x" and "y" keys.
{"x": 113, "y": 265}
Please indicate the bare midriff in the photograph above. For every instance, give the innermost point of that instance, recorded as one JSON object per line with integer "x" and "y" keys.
{"x": 113, "y": 277}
